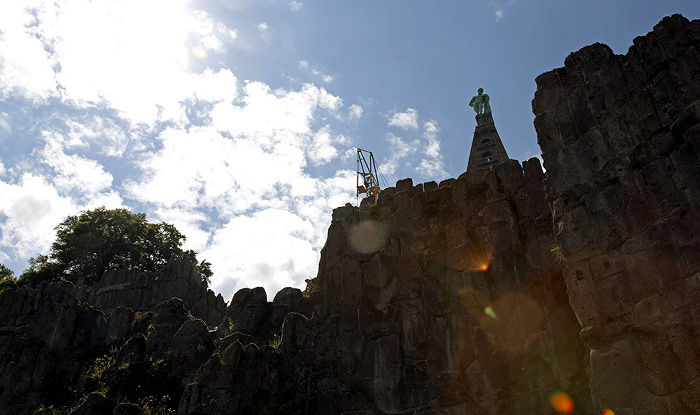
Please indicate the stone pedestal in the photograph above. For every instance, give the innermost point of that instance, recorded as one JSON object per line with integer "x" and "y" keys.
{"x": 487, "y": 149}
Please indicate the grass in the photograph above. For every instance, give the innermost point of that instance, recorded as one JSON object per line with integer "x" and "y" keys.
{"x": 276, "y": 341}
{"x": 152, "y": 405}
{"x": 103, "y": 363}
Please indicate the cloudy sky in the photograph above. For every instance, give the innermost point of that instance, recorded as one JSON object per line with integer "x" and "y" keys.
{"x": 237, "y": 120}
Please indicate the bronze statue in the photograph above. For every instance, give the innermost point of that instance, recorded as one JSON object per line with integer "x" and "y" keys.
{"x": 480, "y": 103}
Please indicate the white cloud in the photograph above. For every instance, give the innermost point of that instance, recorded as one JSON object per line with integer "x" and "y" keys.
{"x": 269, "y": 133}
{"x": 99, "y": 132}
{"x": 114, "y": 57}
{"x": 418, "y": 157}
{"x": 314, "y": 71}
{"x": 296, "y": 5}
{"x": 189, "y": 222}
{"x": 211, "y": 42}
{"x": 32, "y": 208}
{"x": 500, "y": 9}
{"x": 499, "y": 15}
{"x": 269, "y": 248}
{"x": 250, "y": 159}
{"x": 273, "y": 115}
{"x": 275, "y": 216}
{"x": 405, "y": 120}
{"x": 278, "y": 247}
{"x": 430, "y": 134}
{"x": 210, "y": 33}
{"x": 399, "y": 149}
{"x": 244, "y": 169}
{"x": 432, "y": 164}
{"x": 30, "y": 73}
{"x": 131, "y": 66}
{"x": 223, "y": 29}
{"x": 215, "y": 86}
{"x": 322, "y": 151}
{"x": 72, "y": 172}
{"x": 5, "y": 128}
{"x": 263, "y": 27}
{"x": 355, "y": 111}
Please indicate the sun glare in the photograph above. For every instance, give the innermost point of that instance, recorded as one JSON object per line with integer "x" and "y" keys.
{"x": 200, "y": 52}
{"x": 130, "y": 53}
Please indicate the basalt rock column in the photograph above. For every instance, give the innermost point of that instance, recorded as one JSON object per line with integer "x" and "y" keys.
{"x": 620, "y": 137}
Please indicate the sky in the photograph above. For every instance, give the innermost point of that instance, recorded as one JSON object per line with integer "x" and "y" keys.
{"x": 238, "y": 120}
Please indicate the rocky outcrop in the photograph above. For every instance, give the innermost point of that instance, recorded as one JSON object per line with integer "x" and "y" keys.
{"x": 141, "y": 291}
{"x": 450, "y": 298}
{"x": 620, "y": 137}
{"x": 56, "y": 345}
{"x": 46, "y": 337}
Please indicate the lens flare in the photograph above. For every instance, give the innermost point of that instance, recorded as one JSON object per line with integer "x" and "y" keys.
{"x": 608, "y": 411}
{"x": 368, "y": 236}
{"x": 491, "y": 313}
{"x": 562, "y": 403}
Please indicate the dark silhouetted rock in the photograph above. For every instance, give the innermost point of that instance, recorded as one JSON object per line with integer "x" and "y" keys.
{"x": 94, "y": 404}
{"x": 142, "y": 291}
{"x": 620, "y": 137}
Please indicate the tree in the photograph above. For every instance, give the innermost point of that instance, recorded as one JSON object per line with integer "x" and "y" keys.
{"x": 101, "y": 240}
{"x": 7, "y": 281}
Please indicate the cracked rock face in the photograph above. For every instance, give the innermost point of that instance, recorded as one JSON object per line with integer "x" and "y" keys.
{"x": 620, "y": 137}
{"x": 449, "y": 298}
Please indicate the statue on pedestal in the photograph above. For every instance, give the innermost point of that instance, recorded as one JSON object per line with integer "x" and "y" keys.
{"x": 480, "y": 103}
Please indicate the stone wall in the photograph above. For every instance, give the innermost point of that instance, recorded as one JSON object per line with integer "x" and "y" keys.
{"x": 620, "y": 137}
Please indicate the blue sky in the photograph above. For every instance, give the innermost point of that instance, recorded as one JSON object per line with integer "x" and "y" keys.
{"x": 237, "y": 121}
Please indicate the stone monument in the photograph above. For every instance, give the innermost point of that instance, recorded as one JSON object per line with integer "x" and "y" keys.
{"x": 487, "y": 149}
{"x": 480, "y": 102}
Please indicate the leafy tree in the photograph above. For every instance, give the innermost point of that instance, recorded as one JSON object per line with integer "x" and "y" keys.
{"x": 100, "y": 240}
{"x": 5, "y": 272}
{"x": 41, "y": 268}
{"x": 7, "y": 280}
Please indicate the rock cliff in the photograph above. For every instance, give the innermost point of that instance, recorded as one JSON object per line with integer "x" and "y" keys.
{"x": 620, "y": 137}
{"x": 484, "y": 294}
{"x": 142, "y": 291}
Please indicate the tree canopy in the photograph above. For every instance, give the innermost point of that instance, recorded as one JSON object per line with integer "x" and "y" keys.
{"x": 7, "y": 282}
{"x": 101, "y": 240}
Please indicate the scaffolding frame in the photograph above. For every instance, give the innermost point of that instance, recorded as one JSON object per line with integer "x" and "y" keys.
{"x": 367, "y": 169}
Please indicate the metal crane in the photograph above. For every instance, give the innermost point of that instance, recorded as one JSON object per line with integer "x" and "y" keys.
{"x": 367, "y": 169}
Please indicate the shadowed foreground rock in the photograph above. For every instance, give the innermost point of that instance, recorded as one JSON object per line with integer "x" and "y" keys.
{"x": 484, "y": 294}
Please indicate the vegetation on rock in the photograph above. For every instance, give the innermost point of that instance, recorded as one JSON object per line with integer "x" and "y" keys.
{"x": 7, "y": 281}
